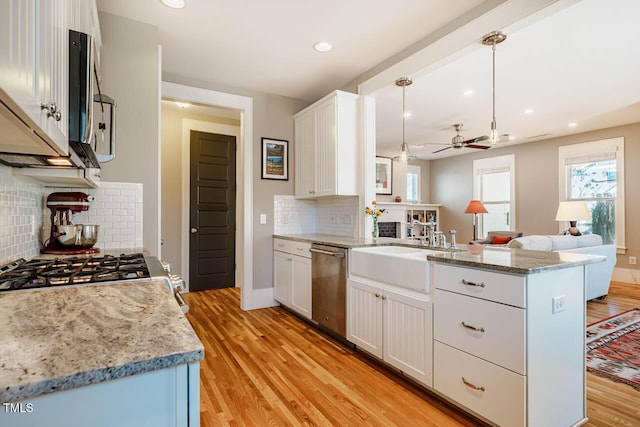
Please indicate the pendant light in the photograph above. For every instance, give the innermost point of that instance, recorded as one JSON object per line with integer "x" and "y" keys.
{"x": 404, "y": 151}
{"x": 492, "y": 39}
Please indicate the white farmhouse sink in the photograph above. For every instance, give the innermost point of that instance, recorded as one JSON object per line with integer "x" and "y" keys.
{"x": 394, "y": 265}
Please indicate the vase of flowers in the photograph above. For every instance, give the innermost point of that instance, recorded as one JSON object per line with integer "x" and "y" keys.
{"x": 374, "y": 213}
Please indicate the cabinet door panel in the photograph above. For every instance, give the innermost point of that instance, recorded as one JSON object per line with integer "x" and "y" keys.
{"x": 364, "y": 318}
{"x": 326, "y": 148}
{"x": 281, "y": 277}
{"x": 305, "y": 149}
{"x": 301, "y": 285}
{"x": 499, "y": 287}
{"x": 501, "y": 339}
{"x": 18, "y": 54}
{"x": 503, "y": 398}
{"x": 407, "y": 332}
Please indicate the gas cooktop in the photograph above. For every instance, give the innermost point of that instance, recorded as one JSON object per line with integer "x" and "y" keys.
{"x": 77, "y": 270}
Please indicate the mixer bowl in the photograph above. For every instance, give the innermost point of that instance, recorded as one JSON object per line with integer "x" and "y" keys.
{"x": 79, "y": 236}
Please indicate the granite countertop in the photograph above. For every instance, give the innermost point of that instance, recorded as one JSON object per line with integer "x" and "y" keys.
{"x": 515, "y": 261}
{"x": 62, "y": 338}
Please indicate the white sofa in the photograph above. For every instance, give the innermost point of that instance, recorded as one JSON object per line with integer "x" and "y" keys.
{"x": 598, "y": 275}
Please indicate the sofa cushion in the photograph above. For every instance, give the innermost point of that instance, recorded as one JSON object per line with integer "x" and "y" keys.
{"x": 588, "y": 240}
{"x": 559, "y": 243}
{"x": 536, "y": 243}
{"x": 500, "y": 240}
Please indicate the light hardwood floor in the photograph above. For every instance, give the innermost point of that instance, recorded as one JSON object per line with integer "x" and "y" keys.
{"x": 267, "y": 367}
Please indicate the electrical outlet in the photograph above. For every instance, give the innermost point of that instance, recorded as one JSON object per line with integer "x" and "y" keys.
{"x": 347, "y": 219}
{"x": 632, "y": 260}
{"x": 559, "y": 304}
{"x": 263, "y": 218}
{"x": 285, "y": 219}
{"x": 333, "y": 219}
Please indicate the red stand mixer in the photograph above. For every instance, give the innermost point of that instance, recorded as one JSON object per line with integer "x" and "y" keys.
{"x": 67, "y": 238}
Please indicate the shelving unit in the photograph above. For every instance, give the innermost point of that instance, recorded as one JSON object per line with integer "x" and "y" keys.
{"x": 422, "y": 213}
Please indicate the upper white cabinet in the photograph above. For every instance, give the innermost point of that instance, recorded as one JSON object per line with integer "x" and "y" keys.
{"x": 326, "y": 146}
{"x": 33, "y": 77}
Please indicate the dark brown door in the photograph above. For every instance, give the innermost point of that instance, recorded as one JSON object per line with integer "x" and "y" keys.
{"x": 212, "y": 211}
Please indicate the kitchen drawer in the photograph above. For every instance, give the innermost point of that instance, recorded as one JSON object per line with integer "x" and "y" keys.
{"x": 501, "y": 339}
{"x": 282, "y": 245}
{"x": 499, "y": 287}
{"x": 502, "y": 399}
{"x": 301, "y": 249}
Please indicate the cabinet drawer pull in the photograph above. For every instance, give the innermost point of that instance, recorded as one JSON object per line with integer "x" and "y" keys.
{"x": 473, "y": 328}
{"x": 480, "y": 285}
{"x": 473, "y": 386}
{"x": 280, "y": 245}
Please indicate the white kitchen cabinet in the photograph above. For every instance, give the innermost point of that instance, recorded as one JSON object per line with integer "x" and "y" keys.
{"x": 292, "y": 275}
{"x": 326, "y": 147}
{"x": 502, "y": 351}
{"x": 393, "y": 325}
{"x": 34, "y": 63}
{"x": 166, "y": 397}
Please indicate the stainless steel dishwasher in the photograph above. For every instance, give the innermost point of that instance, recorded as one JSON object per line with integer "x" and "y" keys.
{"x": 329, "y": 287}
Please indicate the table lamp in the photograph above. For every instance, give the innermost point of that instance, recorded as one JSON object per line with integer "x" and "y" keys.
{"x": 475, "y": 207}
{"x": 573, "y": 212}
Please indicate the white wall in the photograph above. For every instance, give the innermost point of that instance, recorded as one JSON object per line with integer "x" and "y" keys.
{"x": 130, "y": 63}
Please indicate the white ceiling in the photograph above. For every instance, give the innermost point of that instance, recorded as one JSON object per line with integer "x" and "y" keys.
{"x": 267, "y": 45}
{"x": 578, "y": 65}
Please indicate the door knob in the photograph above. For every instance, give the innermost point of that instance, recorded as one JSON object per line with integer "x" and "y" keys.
{"x": 194, "y": 230}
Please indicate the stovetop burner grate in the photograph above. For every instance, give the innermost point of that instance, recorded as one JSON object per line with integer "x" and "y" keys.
{"x": 78, "y": 270}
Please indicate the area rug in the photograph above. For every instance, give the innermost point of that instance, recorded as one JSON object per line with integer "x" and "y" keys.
{"x": 613, "y": 348}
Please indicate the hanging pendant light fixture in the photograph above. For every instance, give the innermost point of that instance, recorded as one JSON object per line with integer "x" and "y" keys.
{"x": 492, "y": 39}
{"x": 404, "y": 148}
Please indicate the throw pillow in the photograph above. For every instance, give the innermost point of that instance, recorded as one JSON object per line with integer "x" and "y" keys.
{"x": 498, "y": 240}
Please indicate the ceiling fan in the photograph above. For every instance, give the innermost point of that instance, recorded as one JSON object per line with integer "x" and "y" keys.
{"x": 459, "y": 142}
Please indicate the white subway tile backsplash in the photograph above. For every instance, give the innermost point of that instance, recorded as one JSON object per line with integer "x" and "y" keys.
{"x": 334, "y": 215}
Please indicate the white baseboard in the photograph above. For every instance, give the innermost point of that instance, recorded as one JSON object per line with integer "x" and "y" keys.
{"x": 626, "y": 275}
{"x": 262, "y": 298}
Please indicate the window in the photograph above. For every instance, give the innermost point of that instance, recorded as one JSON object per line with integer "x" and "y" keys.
{"x": 594, "y": 172}
{"x": 494, "y": 186}
{"x": 413, "y": 183}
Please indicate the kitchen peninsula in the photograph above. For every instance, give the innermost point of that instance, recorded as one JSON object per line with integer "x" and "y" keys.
{"x": 102, "y": 355}
{"x": 498, "y": 332}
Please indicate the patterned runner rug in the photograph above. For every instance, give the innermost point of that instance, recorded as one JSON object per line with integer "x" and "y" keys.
{"x": 613, "y": 348}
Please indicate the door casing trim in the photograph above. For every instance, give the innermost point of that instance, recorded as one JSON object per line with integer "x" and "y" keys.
{"x": 244, "y": 181}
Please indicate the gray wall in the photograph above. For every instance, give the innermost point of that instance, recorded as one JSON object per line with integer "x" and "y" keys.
{"x": 536, "y": 185}
{"x": 272, "y": 118}
{"x": 130, "y": 74}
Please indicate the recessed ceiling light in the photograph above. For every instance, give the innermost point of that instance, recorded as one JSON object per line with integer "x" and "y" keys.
{"x": 322, "y": 46}
{"x": 407, "y": 114}
{"x": 175, "y": 4}
{"x": 512, "y": 137}
{"x": 573, "y": 124}
{"x": 528, "y": 111}
{"x": 183, "y": 105}
{"x": 468, "y": 92}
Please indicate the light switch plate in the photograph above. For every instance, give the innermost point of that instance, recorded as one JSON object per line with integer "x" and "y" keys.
{"x": 263, "y": 218}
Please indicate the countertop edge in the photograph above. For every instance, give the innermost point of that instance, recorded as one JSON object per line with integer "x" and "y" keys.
{"x": 96, "y": 376}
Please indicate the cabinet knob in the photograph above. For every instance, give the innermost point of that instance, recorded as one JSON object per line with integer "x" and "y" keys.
{"x": 194, "y": 230}
{"x": 52, "y": 110}
{"x": 377, "y": 295}
{"x": 384, "y": 297}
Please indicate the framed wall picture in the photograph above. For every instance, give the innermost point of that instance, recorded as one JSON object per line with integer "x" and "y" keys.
{"x": 384, "y": 175}
{"x": 275, "y": 159}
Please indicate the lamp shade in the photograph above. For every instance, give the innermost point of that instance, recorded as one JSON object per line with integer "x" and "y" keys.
{"x": 475, "y": 207}
{"x": 573, "y": 211}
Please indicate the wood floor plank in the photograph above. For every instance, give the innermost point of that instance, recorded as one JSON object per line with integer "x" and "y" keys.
{"x": 268, "y": 367}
